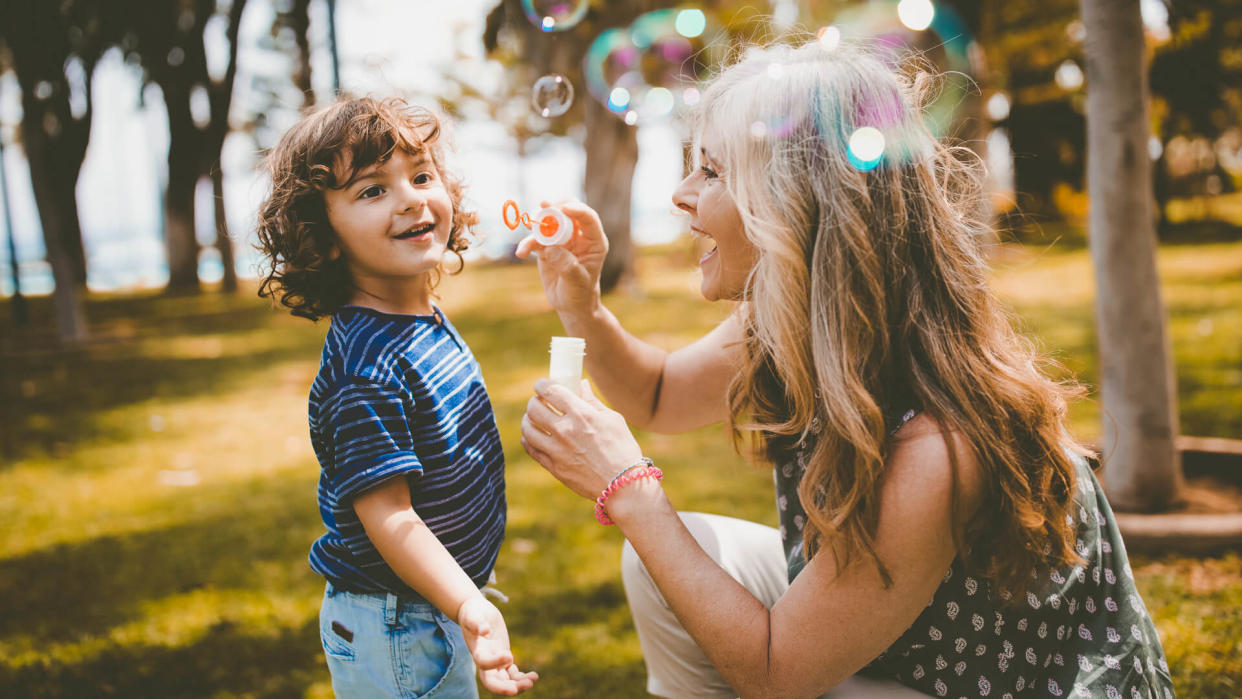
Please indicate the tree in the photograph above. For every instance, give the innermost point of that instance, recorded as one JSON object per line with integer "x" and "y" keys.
{"x": 1203, "y": 43}
{"x": 169, "y": 39}
{"x": 1143, "y": 470}
{"x": 54, "y": 48}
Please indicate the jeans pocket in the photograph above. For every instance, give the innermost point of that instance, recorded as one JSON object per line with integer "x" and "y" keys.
{"x": 337, "y": 638}
{"x": 425, "y": 656}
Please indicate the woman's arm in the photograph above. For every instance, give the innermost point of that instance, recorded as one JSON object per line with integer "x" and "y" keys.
{"x": 654, "y": 389}
{"x": 831, "y": 622}
{"x": 416, "y": 555}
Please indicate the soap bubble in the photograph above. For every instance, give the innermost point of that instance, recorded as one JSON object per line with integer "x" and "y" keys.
{"x": 554, "y": 15}
{"x": 944, "y": 40}
{"x": 866, "y": 148}
{"x": 551, "y": 95}
{"x": 646, "y": 71}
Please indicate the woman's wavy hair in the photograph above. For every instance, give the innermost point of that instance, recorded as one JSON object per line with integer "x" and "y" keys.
{"x": 295, "y": 238}
{"x": 869, "y": 296}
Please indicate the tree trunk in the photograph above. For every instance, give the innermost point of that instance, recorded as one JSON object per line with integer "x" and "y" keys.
{"x": 1142, "y": 467}
{"x": 611, "y": 155}
{"x": 184, "y": 155}
{"x": 56, "y": 198}
{"x": 21, "y": 313}
{"x": 300, "y": 20}
{"x": 224, "y": 243}
{"x": 333, "y": 53}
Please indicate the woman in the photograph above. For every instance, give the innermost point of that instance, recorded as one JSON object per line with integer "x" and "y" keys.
{"x": 940, "y": 527}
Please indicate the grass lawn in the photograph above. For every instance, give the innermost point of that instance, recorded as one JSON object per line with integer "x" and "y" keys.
{"x": 157, "y": 487}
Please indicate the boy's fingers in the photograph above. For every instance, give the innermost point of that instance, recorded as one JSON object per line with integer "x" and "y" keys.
{"x": 493, "y": 660}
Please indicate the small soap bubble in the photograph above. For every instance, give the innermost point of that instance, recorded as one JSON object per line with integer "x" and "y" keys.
{"x": 631, "y": 117}
{"x": 829, "y": 37}
{"x": 551, "y": 95}
{"x": 554, "y": 15}
{"x": 659, "y": 102}
{"x": 866, "y": 147}
{"x": 758, "y": 129}
{"x": 690, "y": 23}
{"x": 690, "y": 96}
{"x": 916, "y": 14}
{"x": 618, "y": 99}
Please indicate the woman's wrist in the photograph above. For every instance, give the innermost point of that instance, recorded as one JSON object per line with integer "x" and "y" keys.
{"x": 635, "y": 500}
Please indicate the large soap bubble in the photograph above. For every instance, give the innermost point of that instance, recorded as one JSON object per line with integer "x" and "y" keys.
{"x": 554, "y": 15}
{"x": 645, "y": 71}
{"x": 552, "y": 95}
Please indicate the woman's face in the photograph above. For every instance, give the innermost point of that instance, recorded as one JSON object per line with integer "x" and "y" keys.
{"x": 714, "y": 217}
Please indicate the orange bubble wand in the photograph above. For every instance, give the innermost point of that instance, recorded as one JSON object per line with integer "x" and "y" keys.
{"x": 550, "y": 225}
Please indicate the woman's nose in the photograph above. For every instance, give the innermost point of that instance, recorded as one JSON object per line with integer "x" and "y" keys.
{"x": 686, "y": 196}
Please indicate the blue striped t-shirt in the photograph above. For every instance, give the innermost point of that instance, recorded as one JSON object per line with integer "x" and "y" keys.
{"x": 401, "y": 395}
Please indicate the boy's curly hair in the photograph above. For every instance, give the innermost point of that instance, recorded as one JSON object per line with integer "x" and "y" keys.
{"x": 295, "y": 237}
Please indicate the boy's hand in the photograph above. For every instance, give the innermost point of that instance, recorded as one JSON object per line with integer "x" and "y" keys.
{"x": 487, "y": 637}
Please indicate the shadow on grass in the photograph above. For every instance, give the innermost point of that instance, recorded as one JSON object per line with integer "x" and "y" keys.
{"x": 49, "y": 406}
{"x": 73, "y": 591}
{"x": 227, "y": 660}
{"x": 143, "y": 586}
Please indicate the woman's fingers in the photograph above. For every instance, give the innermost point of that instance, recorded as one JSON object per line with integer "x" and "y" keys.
{"x": 588, "y": 395}
{"x": 541, "y": 441}
{"x": 554, "y": 395}
{"x": 540, "y": 457}
{"x": 526, "y": 246}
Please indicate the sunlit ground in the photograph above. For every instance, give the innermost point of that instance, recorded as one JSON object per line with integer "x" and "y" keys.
{"x": 157, "y": 491}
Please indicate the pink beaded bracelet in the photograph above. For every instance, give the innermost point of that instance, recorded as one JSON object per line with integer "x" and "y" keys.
{"x": 623, "y": 479}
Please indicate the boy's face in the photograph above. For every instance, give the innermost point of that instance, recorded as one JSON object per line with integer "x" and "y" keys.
{"x": 392, "y": 222}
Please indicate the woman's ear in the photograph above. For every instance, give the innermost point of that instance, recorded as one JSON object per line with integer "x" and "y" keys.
{"x": 334, "y": 253}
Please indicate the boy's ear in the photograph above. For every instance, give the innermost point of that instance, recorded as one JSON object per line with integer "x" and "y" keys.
{"x": 335, "y": 253}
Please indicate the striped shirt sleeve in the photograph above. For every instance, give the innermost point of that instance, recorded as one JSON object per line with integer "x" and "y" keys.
{"x": 372, "y": 437}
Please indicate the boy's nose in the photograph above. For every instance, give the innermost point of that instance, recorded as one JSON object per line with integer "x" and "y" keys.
{"x": 411, "y": 199}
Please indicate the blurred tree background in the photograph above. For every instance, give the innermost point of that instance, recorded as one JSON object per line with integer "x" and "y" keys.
{"x": 138, "y": 417}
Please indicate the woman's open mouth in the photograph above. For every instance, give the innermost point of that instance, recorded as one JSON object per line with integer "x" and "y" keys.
{"x": 700, "y": 239}
{"x": 418, "y": 233}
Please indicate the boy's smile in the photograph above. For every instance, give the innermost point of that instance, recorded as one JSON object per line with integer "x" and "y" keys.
{"x": 392, "y": 226}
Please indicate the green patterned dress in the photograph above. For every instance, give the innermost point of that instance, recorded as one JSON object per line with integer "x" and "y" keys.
{"x": 1082, "y": 631}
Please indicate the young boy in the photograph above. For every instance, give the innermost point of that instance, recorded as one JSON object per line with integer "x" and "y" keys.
{"x": 411, "y": 487}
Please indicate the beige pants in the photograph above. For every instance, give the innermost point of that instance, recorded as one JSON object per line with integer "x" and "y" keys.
{"x": 752, "y": 554}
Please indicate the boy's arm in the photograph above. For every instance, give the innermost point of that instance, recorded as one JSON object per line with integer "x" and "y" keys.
{"x": 416, "y": 555}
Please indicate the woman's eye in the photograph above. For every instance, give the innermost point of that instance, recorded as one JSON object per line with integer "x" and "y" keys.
{"x": 708, "y": 172}
{"x": 371, "y": 192}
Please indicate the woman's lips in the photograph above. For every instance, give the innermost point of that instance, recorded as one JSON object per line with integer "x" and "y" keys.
{"x": 701, "y": 236}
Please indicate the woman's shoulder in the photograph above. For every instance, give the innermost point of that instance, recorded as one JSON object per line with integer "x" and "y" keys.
{"x": 925, "y": 449}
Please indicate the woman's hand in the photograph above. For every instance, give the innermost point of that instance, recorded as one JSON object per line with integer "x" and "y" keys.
{"x": 487, "y": 637}
{"x": 570, "y": 272}
{"x": 579, "y": 440}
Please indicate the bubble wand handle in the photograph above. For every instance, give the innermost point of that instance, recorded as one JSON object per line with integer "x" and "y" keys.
{"x": 550, "y": 225}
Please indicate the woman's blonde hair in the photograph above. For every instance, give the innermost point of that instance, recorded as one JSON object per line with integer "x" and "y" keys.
{"x": 869, "y": 297}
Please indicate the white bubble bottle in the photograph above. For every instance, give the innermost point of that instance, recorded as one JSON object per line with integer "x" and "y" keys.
{"x": 565, "y": 364}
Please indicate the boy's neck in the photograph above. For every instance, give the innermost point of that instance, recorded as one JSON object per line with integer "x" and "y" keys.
{"x": 403, "y": 297}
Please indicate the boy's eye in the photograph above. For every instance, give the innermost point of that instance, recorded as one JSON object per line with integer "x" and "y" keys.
{"x": 371, "y": 192}
{"x": 423, "y": 178}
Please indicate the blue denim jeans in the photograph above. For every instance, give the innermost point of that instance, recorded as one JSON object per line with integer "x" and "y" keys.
{"x": 379, "y": 645}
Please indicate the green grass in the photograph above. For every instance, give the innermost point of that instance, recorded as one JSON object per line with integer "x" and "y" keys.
{"x": 157, "y": 487}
